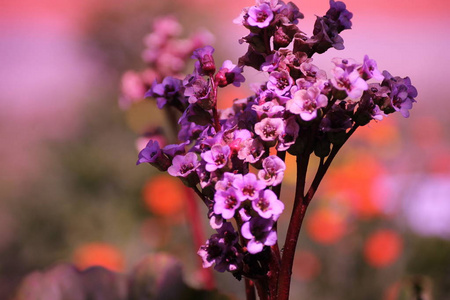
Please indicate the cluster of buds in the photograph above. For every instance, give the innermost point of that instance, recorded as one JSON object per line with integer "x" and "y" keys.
{"x": 226, "y": 157}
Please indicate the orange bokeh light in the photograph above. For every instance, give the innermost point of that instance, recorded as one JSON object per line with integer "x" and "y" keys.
{"x": 383, "y": 248}
{"x": 164, "y": 195}
{"x": 326, "y": 226}
{"x": 355, "y": 182}
{"x": 98, "y": 254}
{"x": 306, "y": 265}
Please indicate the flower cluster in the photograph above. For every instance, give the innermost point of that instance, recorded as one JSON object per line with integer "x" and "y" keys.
{"x": 166, "y": 54}
{"x": 225, "y": 155}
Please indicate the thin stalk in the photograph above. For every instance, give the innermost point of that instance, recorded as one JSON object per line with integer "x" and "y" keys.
{"x": 298, "y": 213}
{"x": 275, "y": 256}
{"x": 250, "y": 293}
{"x": 323, "y": 167}
{"x": 214, "y": 87}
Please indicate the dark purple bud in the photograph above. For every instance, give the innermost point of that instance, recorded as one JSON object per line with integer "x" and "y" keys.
{"x": 206, "y": 60}
{"x": 153, "y": 155}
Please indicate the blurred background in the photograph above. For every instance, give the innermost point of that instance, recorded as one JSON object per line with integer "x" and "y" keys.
{"x": 70, "y": 190}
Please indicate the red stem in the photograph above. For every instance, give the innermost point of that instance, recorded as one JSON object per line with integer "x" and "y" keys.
{"x": 298, "y": 213}
{"x": 198, "y": 235}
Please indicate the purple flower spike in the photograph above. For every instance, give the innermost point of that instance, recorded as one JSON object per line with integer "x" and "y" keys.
{"x": 267, "y": 205}
{"x": 370, "y": 70}
{"x": 216, "y": 158}
{"x": 205, "y": 59}
{"x": 260, "y": 233}
{"x": 273, "y": 170}
{"x": 280, "y": 82}
{"x": 153, "y": 155}
{"x": 260, "y": 16}
{"x": 226, "y": 203}
{"x": 269, "y": 128}
{"x": 183, "y": 165}
{"x": 306, "y": 103}
{"x": 248, "y": 186}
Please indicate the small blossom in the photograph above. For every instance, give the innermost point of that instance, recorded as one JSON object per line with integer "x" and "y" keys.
{"x": 369, "y": 69}
{"x": 269, "y": 109}
{"x": 269, "y": 128}
{"x": 351, "y": 83}
{"x": 226, "y": 182}
{"x": 260, "y": 233}
{"x": 229, "y": 74}
{"x": 216, "y": 158}
{"x": 340, "y": 15}
{"x": 267, "y": 205}
{"x": 402, "y": 93}
{"x": 183, "y": 165}
{"x": 252, "y": 150}
{"x": 198, "y": 91}
{"x": 306, "y": 103}
{"x": 260, "y": 16}
{"x": 153, "y": 155}
{"x": 273, "y": 170}
{"x": 169, "y": 91}
{"x": 226, "y": 203}
{"x": 280, "y": 82}
{"x": 290, "y": 134}
{"x": 248, "y": 186}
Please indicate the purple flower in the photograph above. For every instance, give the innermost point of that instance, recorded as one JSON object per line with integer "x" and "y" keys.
{"x": 402, "y": 93}
{"x": 280, "y": 82}
{"x": 183, "y": 165}
{"x": 248, "y": 186}
{"x": 205, "y": 64}
{"x": 198, "y": 91}
{"x": 153, "y": 155}
{"x": 290, "y": 134}
{"x": 267, "y": 205}
{"x": 226, "y": 203}
{"x": 212, "y": 252}
{"x": 216, "y": 158}
{"x": 273, "y": 170}
{"x": 340, "y": 15}
{"x": 169, "y": 91}
{"x": 369, "y": 69}
{"x": 271, "y": 63}
{"x": 229, "y": 74}
{"x": 174, "y": 149}
{"x": 260, "y": 16}
{"x": 306, "y": 103}
{"x": 221, "y": 249}
{"x": 351, "y": 83}
{"x": 260, "y": 233}
{"x": 269, "y": 109}
{"x": 252, "y": 151}
{"x": 226, "y": 182}
{"x": 269, "y": 128}
{"x": 312, "y": 72}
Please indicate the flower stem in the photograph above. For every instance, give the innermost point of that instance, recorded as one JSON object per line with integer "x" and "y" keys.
{"x": 298, "y": 213}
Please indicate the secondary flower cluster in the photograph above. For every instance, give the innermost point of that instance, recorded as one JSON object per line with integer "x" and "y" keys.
{"x": 166, "y": 54}
{"x": 225, "y": 156}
